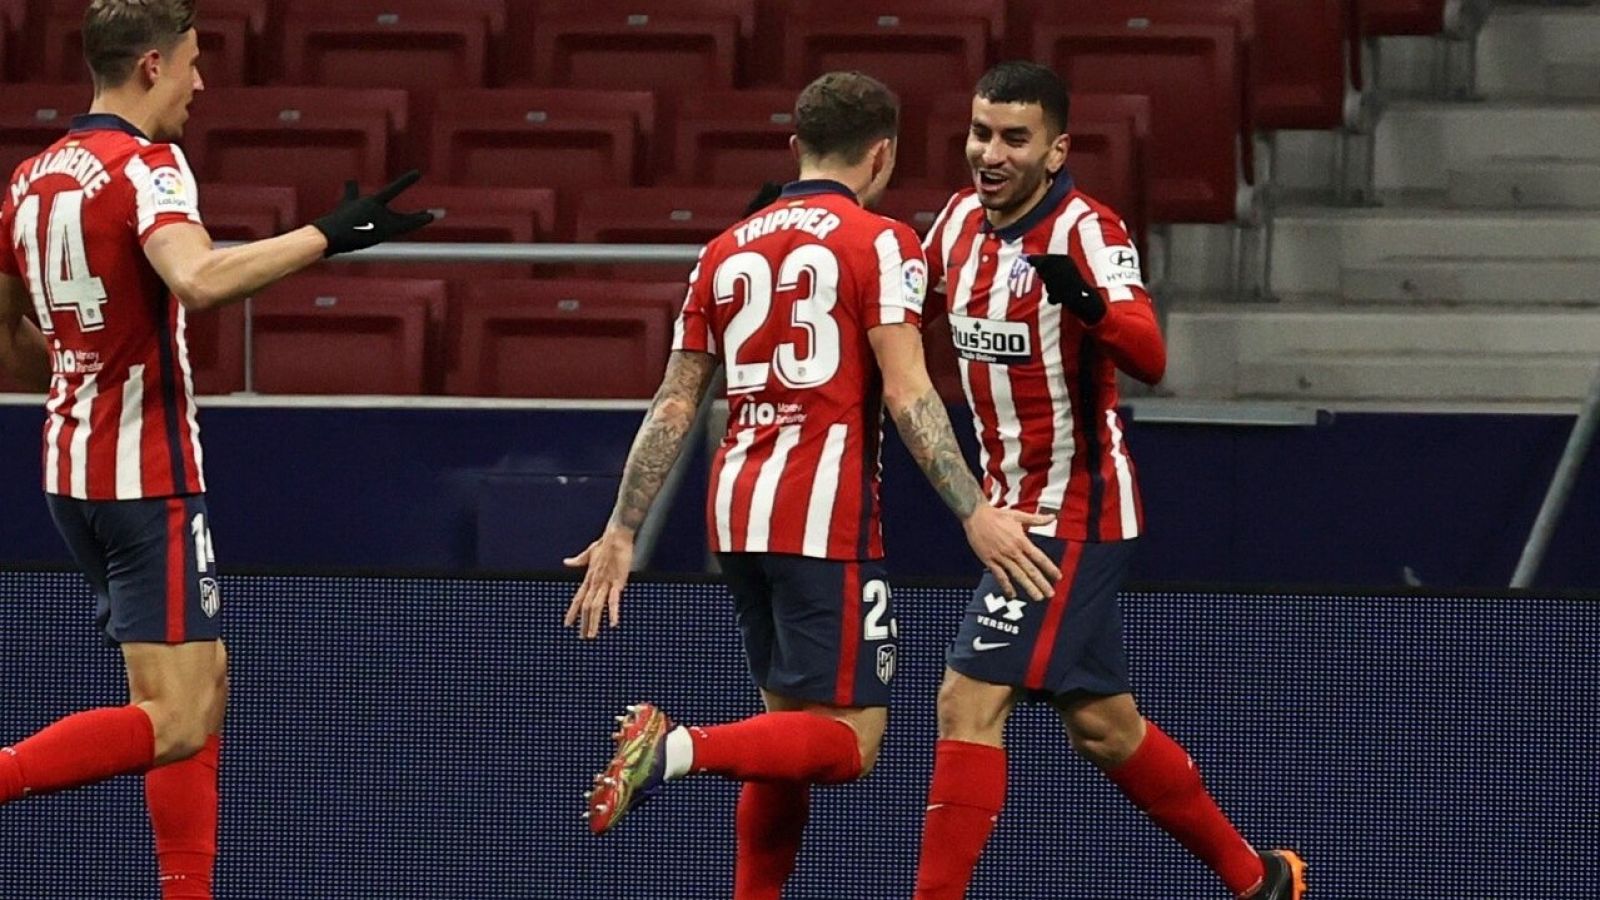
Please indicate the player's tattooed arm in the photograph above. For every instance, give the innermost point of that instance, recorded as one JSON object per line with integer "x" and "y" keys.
{"x": 926, "y": 430}
{"x": 661, "y": 438}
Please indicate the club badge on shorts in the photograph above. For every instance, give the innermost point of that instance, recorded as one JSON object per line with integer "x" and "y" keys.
{"x": 210, "y": 597}
{"x": 885, "y": 663}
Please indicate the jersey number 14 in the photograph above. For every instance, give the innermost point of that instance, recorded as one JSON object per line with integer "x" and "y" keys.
{"x": 60, "y": 280}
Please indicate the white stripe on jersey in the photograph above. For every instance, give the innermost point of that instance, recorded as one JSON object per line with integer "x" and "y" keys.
{"x": 952, "y": 230}
{"x": 1009, "y": 429}
{"x": 1094, "y": 245}
{"x": 819, "y": 514}
{"x": 1119, "y": 457}
{"x": 892, "y": 303}
{"x": 130, "y": 437}
{"x": 193, "y": 188}
{"x": 731, "y": 464}
{"x": 82, "y": 407}
{"x": 188, "y": 397}
{"x": 759, "y": 529}
{"x": 1064, "y": 446}
{"x": 52, "y": 439}
{"x": 139, "y": 174}
{"x": 960, "y": 302}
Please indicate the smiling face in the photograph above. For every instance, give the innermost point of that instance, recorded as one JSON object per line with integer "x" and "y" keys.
{"x": 1014, "y": 152}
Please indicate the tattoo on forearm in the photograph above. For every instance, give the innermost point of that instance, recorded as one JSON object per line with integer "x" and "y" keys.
{"x": 661, "y": 438}
{"x": 925, "y": 428}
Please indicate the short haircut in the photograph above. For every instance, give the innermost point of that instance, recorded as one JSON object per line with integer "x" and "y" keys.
{"x": 117, "y": 32}
{"x": 1020, "y": 81}
{"x": 842, "y": 114}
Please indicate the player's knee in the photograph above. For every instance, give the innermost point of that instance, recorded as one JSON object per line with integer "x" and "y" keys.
{"x": 964, "y": 716}
{"x": 1105, "y": 743}
{"x": 180, "y": 729}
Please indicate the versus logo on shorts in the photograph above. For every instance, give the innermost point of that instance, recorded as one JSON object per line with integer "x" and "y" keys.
{"x": 886, "y": 663}
{"x": 992, "y": 341}
{"x": 210, "y": 597}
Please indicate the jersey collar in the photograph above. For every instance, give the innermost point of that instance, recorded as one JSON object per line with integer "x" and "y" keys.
{"x": 106, "y": 122}
{"x": 1059, "y": 189}
{"x": 813, "y": 186}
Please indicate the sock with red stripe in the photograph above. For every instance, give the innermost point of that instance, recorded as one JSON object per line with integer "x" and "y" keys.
{"x": 81, "y": 749}
{"x": 182, "y": 798}
{"x": 969, "y": 787}
{"x": 775, "y": 746}
{"x": 771, "y": 818}
{"x": 1162, "y": 780}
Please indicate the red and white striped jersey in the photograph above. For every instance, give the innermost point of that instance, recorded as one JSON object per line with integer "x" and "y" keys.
{"x": 1042, "y": 386}
{"x": 786, "y": 298}
{"x": 120, "y": 420}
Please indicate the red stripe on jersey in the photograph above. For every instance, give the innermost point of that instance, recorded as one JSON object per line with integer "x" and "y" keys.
{"x": 1055, "y": 611}
{"x": 177, "y": 585}
{"x": 744, "y": 495}
{"x": 844, "y": 692}
{"x": 69, "y": 427}
{"x": 155, "y": 455}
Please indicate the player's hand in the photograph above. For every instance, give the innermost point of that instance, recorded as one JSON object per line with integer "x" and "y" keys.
{"x": 1000, "y": 539}
{"x": 769, "y": 192}
{"x": 360, "y": 222}
{"x": 1065, "y": 285}
{"x": 608, "y": 561}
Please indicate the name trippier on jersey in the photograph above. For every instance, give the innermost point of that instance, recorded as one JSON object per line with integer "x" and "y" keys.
{"x": 76, "y": 162}
{"x": 814, "y": 221}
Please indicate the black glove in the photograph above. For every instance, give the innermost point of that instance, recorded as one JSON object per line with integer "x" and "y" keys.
{"x": 359, "y": 222}
{"x": 1065, "y": 285}
{"x": 769, "y": 192}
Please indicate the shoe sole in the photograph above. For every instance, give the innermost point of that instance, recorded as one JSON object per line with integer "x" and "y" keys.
{"x": 607, "y": 803}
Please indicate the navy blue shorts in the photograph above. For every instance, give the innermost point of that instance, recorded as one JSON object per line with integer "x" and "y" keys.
{"x": 150, "y": 563}
{"x": 1070, "y": 643}
{"x": 815, "y": 629}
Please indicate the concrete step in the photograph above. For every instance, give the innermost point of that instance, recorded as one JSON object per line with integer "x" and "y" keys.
{"x": 1535, "y": 52}
{"x": 1313, "y": 246}
{"x": 1332, "y": 353}
{"x": 1417, "y": 144}
{"x": 1526, "y": 183}
{"x": 1500, "y": 282}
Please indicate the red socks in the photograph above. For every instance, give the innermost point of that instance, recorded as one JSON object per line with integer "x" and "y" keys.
{"x": 772, "y": 815}
{"x": 1162, "y": 780}
{"x": 81, "y": 749}
{"x": 779, "y": 746}
{"x": 969, "y": 787}
{"x": 182, "y": 798}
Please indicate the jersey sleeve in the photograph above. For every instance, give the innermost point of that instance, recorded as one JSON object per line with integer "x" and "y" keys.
{"x": 164, "y": 190}
{"x": 693, "y": 330}
{"x": 933, "y": 247}
{"x": 896, "y": 295}
{"x": 1129, "y": 332}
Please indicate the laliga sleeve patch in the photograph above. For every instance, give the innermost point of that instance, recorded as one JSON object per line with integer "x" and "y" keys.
{"x": 914, "y": 279}
{"x": 169, "y": 193}
{"x": 1118, "y": 265}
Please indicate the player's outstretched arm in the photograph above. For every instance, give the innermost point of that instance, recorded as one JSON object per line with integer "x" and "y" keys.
{"x": 998, "y": 536}
{"x": 655, "y": 451}
{"x": 204, "y": 277}
{"x": 22, "y": 347}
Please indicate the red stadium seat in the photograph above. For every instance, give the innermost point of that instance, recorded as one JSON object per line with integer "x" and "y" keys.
{"x": 561, "y": 338}
{"x": 657, "y": 216}
{"x": 659, "y": 45}
{"x": 1401, "y": 17}
{"x": 13, "y": 27}
{"x": 313, "y": 139}
{"x": 561, "y": 138}
{"x": 914, "y": 46}
{"x": 317, "y": 334}
{"x": 916, "y": 206}
{"x": 1191, "y": 74}
{"x": 229, "y": 32}
{"x": 473, "y": 215}
{"x": 216, "y": 349}
{"x": 1300, "y": 79}
{"x": 412, "y": 44}
{"x": 734, "y": 138}
{"x": 34, "y": 116}
{"x": 247, "y": 212}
